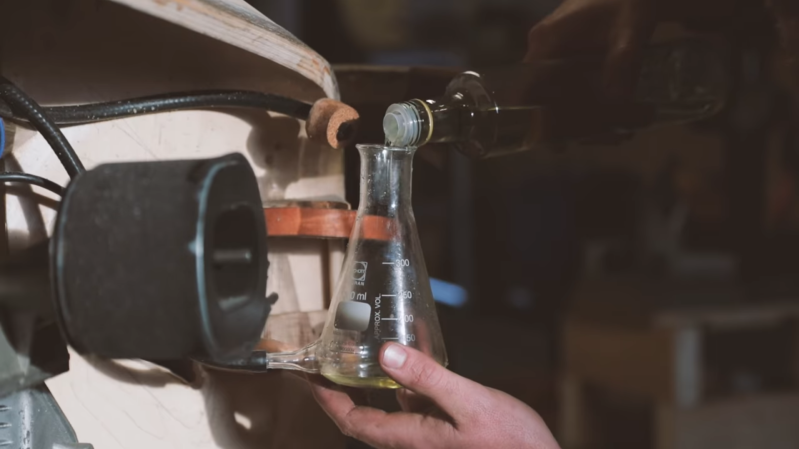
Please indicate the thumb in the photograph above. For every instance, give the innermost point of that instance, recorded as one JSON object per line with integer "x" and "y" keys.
{"x": 421, "y": 374}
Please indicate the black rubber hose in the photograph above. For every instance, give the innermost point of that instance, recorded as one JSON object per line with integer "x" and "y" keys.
{"x": 211, "y": 99}
{"x": 23, "y": 105}
{"x": 32, "y": 180}
{"x": 255, "y": 363}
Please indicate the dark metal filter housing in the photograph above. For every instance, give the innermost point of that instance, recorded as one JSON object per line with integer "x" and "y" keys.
{"x": 162, "y": 260}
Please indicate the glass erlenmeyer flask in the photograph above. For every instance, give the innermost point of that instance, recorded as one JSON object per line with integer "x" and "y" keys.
{"x": 383, "y": 294}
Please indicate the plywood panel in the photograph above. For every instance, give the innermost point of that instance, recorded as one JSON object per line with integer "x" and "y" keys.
{"x": 77, "y": 51}
{"x": 239, "y": 24}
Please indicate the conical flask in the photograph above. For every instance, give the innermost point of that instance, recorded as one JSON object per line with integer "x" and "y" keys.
{"x": 383, "y": 293}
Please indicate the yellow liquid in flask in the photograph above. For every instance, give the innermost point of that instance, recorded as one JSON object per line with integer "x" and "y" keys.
{"x": 359, "y": 382}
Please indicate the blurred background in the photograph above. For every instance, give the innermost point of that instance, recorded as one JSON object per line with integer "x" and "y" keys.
{"x": 641, "y": 294}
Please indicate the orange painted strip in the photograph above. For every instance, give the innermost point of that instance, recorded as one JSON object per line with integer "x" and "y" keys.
{"x": 325, "y": 224}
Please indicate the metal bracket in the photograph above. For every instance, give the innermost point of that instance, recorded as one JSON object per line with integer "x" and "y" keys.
{"x": 32, "y": 419}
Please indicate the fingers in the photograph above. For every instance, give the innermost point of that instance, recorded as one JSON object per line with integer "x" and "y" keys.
{"x": 376, "y": 427}
{"x": 419, "y": 373}
{"x": 332, "y": 398}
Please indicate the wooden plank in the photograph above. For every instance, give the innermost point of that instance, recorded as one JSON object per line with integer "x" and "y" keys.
{"x": 629, "y": 360}
{"x": 572, "y": 429}
{"x": 729, "y": 316}
{"x": 640, "y": 302}
{"x": 134, "y": 404}
{"x": 664, "y": 427}
{"x": 239, "y": 24}
{"x": 761, "y": 422}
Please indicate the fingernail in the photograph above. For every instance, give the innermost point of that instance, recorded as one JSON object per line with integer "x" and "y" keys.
{"x": 394, "y": 357}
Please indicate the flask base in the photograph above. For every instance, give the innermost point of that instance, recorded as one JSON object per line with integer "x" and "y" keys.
{"x": 383, "y": 382}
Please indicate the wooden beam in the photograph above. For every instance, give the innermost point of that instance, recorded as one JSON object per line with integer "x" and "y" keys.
{"x": 631, "y": 360}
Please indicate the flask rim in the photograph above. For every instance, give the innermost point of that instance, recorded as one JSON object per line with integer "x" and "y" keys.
{"x": 374, "y": 147}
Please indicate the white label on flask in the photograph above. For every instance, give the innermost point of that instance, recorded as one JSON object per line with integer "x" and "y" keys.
{"x": 353, "y": 316}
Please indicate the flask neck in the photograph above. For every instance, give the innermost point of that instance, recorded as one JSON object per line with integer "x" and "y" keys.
{"x": 385, "y": 180}
{"x": 304, "y": 360}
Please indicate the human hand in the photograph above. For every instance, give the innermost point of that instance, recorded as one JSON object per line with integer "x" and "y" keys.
{"x": 440, "y": 410}
{"x": 621, "y": 29}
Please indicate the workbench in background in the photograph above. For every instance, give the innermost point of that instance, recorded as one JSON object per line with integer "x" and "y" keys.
{"x": 685, "y": 364}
